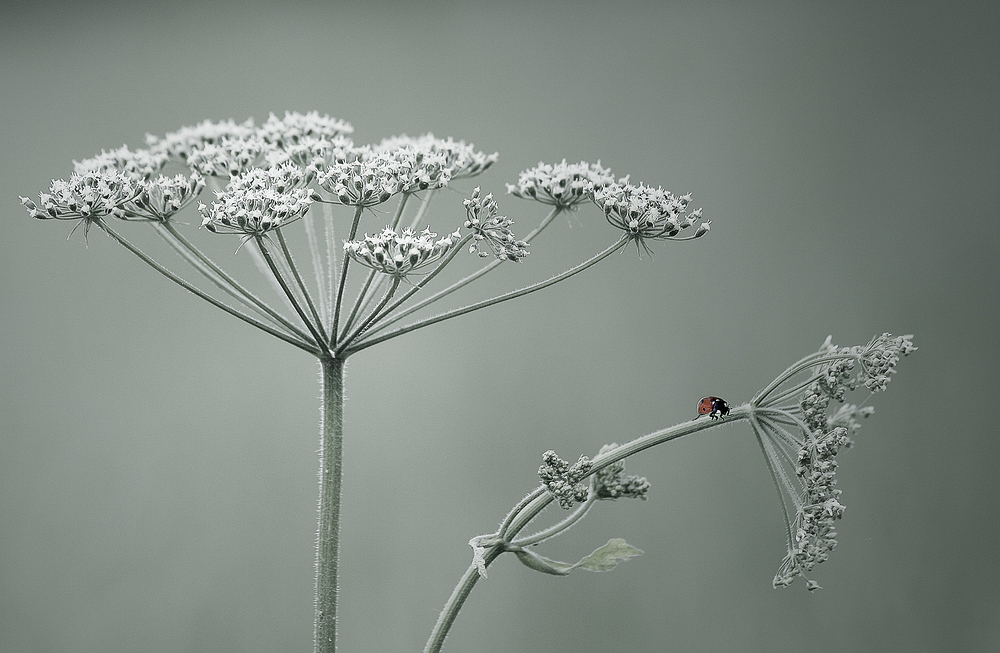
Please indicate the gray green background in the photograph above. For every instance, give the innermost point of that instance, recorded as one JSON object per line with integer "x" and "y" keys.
{"x": 157, "y": 458}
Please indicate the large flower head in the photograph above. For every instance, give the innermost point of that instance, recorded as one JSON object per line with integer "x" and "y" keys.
{"x": 800, "y": 438}
{"x": 458, "y": 157}
{"x": 229, "y": 157}
{"x": 296, "y": 127}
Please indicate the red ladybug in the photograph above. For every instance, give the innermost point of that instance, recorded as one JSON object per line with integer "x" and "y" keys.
{"x": 714, "y": 407}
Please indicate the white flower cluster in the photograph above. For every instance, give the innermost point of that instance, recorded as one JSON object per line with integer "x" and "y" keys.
{"x": 459, "y": 158}
{"x": 563, "y": 184}
{"x": 297, "y": 128}
{"x": 86, "y": 197}
{"x": 182, "y": 143}
{"x": 369, "y": 181}
{"x": 317, "y": 146}
{"x": 399, "y": 254}
{"x": 647, "y": 213}
{"x": 492, "y": 229}
{"x": 256, "y": 202}
{"x": 229, "y": 157}
{"x": 161, "y": 198}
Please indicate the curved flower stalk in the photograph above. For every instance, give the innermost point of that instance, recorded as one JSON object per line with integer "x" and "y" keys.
{"x": 798, "y": 399}
{"x": 280, "y": 175}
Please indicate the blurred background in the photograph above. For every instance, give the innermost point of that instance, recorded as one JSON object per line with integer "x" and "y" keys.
{"x": 158, "y": 458}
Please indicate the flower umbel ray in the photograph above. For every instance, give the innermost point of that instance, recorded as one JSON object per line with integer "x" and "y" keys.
{"x": 800, "y": 439}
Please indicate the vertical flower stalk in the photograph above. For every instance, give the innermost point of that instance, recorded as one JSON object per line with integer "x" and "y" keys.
{"x": 331, "y": 449}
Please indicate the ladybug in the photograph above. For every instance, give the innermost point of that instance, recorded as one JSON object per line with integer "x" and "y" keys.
{"x": 714, "y": 407}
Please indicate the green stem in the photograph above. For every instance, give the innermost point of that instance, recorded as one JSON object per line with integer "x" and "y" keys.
{"x": 259, "y": 240}
{"x": 364, "y": 297}
{"x": 494, "y": 300}
{"x": 375, "y": 317}
{"x": 343, "y": 277}
{"x": 312, "y": 238}
{"x": 218, "y": 276}
{"x": 330, "y": 474}
{"x": 811, "y": 360}
{"x": 755, "y": 425}
{"x": 550, "y": 532}
{"x": 424, "y": 203}
{"x": 330, "y": 238}
{"x": 306, "y": 346}
{"x": 298, "y": 280}
{"x": 390, "y": 291}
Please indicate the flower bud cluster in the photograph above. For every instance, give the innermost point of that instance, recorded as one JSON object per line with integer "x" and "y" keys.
{"x": 809, "y": 450}
{"x": 399, "y": 254}
{"x": 86, "y": 196}
{"x": 252, "y": 204}
{"x": 563, "y": 479}
{"x": 831, "y": 382}
{"x": 492, "y": 229}
{"x": 161, "y": 198}
{"x": 137, "y": 164}
{"x": 647, "y": 213}
{"x": 879, "y": 358}
{"x": 611, "y": 484}
{"x": 563, "y": 184}
{"x": 819, "y": 506}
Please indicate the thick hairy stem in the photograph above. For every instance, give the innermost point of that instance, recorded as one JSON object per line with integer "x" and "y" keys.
{"x": 330, "y": 474}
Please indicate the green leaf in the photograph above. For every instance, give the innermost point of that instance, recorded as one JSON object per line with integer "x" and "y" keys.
{"x": 608, "y": 556}
{"x": 604, "y": 558}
